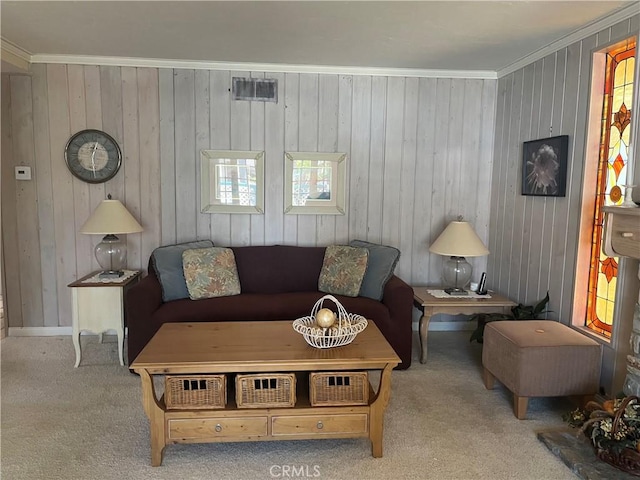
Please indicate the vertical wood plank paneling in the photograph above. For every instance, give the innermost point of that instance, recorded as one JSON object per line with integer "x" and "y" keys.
{"x": 149, "y": 137}
{"x": 555, "y": 95}
{"x": 359, "y": 164}
{"x": 308, "y": 142}
{"x": 291, "y": 122}
{"x": 77, "y": 122}
{"x": 220, "y": 139}
{"x": 571, "y": 100}
{"x": 42, "y": 175}
{"x": 112, "y": 122}
{"x": 26, "y": 202}
{"x": 10, "y": 250}
{"x": 93, "y": 106}
{"x": 407, "y": 176}
{"x": 327, "y": 142}
{"x": 561, "y": 118}
{"x": 470, "y": 149}
{"x": 131, "y": 158}
{"x": 274, "y": 166}
{"x": 257, "y": 144}
{"x": 452, "y": 199}
{"x": 422, "y": 210}
{"x": 484, "y": 184}
{"x": 547, "y": 125}
{"x": 63, "y": 215}
{"x": 524, "y": 134}
{"x": 240, "y": 140}
{"x": 495, "y": 221}
{"x": 532, "y": 204}
{"x": 501, "y": 210}
{"x": 393, "y": 162}
{"x": 345, "y": 96}
{"x": 168, "y": 234}
{"x": 376, "y": 159}
{"x": 202, "y": 142}
{"x": 511, "y": 190}
{"x": 438, "y": 222}
{"x": 186, "y": 210}
{"x": 575, "y": 172}
{"x": 539, "y": 227}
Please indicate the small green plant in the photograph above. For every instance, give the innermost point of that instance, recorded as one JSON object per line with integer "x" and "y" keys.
{"x": 519, "y": 312}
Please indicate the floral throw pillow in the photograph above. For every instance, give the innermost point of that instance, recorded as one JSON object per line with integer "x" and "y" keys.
{"x": 210, "y": 272}
{"x": 343, "y": 270}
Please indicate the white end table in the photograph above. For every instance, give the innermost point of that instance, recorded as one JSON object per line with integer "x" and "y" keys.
{"x": 453, "y": 305}
{"x": 98, "y": 306}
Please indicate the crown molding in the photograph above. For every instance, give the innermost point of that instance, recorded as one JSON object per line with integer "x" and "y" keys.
{"x": 14, "y": 55}
{"x": 261, "y": 67}
{"x": 579, "y": 34}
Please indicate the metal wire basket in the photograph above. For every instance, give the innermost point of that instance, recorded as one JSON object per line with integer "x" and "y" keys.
{"x": 348, "y": 325}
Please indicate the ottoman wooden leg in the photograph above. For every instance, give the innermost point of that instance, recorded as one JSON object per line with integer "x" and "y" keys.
{"x": 488, "y": 379}
{"x": 520, "y": 406}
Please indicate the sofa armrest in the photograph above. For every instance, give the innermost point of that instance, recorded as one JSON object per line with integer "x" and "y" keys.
{"x": 141, "y": 301}
{"x": 398, "y": 298}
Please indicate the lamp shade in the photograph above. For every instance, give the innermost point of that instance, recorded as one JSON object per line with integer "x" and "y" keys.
{"x": 111, "y": 217}
{"x": 459, "y": 240}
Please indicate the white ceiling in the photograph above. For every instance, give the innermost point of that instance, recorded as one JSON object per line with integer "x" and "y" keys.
{"x": 433, "y": 35}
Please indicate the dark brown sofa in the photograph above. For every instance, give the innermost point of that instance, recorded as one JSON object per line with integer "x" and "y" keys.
{"x": 277, "y": 283}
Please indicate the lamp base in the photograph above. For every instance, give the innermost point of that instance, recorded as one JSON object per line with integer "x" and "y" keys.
{"x": 111, "y": 274}
{"x": 456, "y": 292}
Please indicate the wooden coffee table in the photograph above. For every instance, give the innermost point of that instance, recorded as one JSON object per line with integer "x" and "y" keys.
{"x": 250, "y": 347}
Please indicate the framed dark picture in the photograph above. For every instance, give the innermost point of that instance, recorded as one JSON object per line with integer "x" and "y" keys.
{"x": 544, "y": 166}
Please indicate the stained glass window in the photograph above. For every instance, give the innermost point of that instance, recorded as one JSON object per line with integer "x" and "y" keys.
{"x": 611, "y": 179}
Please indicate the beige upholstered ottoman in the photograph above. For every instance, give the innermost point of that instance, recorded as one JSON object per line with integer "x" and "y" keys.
{"x": 539, "y": 358}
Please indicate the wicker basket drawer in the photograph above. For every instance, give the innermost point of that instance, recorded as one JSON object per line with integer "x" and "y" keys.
{"x": 186, "y": 392}
{"x": 202, "y": 428}
{"x": 338, "y": 388}
{"x": 319, "y": 424}
{"x": 266, "y": 390}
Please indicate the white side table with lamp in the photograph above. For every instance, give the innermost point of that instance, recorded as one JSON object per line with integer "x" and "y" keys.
{"x": 98, "y": 298}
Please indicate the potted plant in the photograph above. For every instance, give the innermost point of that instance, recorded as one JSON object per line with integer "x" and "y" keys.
{"x": 519, "y": 312}
{"x": 613, "y": 428}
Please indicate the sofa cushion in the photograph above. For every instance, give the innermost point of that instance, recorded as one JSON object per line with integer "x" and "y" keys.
{"x": 210, "y": 272}
{"x": 167, "y": 263}
{"x": 279, "y": 268}
{"x": 343, "y": 269}
{"x": 382, "y": 262}
{"x": 260, "y": 306}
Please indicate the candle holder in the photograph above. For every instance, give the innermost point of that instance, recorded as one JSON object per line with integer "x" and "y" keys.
{"x": 628, "y": 197}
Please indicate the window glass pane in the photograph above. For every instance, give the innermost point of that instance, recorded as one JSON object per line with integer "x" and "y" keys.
{"x": 611, "y": 179}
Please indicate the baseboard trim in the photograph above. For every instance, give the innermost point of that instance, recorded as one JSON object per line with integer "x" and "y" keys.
{"x": 47, "y": 331}
{"x": 447, "y": 326}
{"x": 55, "y": 331}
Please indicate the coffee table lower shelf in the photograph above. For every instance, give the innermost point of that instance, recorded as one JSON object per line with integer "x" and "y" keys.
{"x": 233, "y": 424}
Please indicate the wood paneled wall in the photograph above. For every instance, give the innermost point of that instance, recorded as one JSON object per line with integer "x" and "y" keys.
{"x": 419, "y": 154}
{"x": 534, "y": 239}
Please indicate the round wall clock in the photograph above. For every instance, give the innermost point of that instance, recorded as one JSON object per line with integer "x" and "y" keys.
{"x": 93, "y": 156}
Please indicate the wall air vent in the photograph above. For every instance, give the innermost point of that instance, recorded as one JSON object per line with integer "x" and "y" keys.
{"x": 256, "y": 89}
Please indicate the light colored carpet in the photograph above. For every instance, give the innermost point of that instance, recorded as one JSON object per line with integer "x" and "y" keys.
{"x": 87, "y": 423}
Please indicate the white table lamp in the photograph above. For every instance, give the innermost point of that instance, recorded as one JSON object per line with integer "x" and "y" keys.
{"x": 458, "y": 241}
{"x": 110, "y": 219}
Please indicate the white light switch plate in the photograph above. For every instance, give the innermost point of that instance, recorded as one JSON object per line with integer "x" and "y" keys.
{"x": 23, "y": 173}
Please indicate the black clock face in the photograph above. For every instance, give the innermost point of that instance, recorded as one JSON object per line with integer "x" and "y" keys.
{"x": 93, "y": 156}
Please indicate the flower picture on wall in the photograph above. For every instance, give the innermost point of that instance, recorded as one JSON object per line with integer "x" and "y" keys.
{"x": 544, "y": 166}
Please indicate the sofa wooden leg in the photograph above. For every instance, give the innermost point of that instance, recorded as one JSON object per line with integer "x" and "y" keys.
{"x": 520, "y": 406}
{"x": 488, "y": 379}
